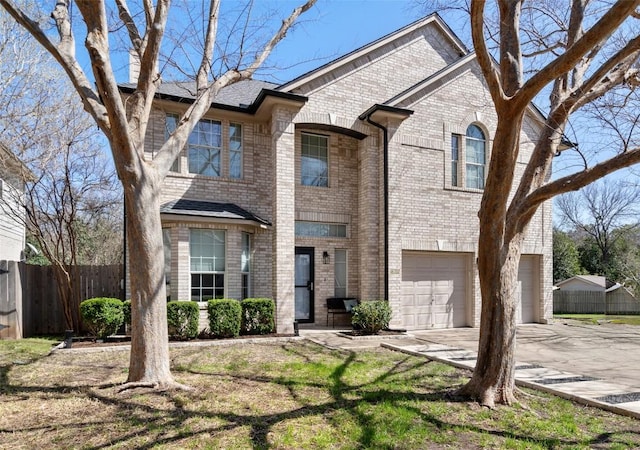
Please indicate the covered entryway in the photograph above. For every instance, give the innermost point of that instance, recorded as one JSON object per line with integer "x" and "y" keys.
{"x": 528, "y": 289}
{"x": 435, "y": 290}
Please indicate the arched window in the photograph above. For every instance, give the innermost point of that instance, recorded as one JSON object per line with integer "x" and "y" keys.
{"x": 475, "y": 157}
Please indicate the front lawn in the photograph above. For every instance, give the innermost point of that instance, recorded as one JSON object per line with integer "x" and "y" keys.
{"x": 601, "y": 318}
{"x": 289, "y": 395}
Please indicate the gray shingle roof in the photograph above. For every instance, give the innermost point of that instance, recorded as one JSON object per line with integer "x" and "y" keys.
{"x": 240, "y": 94}
{"x": 210, "y": 209}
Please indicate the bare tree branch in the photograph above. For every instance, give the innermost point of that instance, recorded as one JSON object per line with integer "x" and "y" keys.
{"x": 65, "y": 55}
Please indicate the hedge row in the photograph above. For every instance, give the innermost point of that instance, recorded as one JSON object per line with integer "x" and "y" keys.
{"x": 227, "y": 317}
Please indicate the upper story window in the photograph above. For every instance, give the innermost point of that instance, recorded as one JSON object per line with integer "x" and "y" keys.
{"x": 314, "y": 168}
{"x": 455, "y": 159}
{"x": 475, "y": 157}
{"x": 171, "y": 122}
{"x": 205, "y": 146}
{"x": 235, "y": 150}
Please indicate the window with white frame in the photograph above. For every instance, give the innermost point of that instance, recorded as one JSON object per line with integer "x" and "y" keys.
{"x": 320, "y": 229}
{"x": 171, "y": 123}
{"x": 166, "y": 244}
{"x": 455, "y": 159}
{"x": 245, "y": 265}
{"x": 475, "y": 157}
{"x": 340, "y": 275}
{"x": 314, "y": 163}
{"x": 207, "y": 250}
{"x": 205, "y": 147}
{"x": 235, "y": 150}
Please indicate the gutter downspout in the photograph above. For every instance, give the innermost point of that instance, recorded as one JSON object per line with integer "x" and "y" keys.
{"x": 385, "y": 138}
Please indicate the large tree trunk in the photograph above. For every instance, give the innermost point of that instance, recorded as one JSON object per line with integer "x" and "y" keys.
{"x": 493, "y": 378}
{"x": 149, "y": 361}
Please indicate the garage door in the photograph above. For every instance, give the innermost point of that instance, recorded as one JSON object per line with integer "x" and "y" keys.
{"x": 434, "y": 290}
{"x": 528, "y": 289}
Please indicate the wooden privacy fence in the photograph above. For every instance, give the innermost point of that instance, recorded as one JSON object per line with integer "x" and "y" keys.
{"x": 30, "y": 293}
{"x": 590, "y": 302}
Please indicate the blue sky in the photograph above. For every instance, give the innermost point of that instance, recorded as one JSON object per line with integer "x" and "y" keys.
{"x": 335, "y": 27}
{"x": 329, "y": 30}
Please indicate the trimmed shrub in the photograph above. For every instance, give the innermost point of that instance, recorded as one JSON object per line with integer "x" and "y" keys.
{"x": 102, "y": 315}
{"x": 258, "y": 315}
{"x": 224, "y": 317}
{"x": 371, "y": 316}
{"x": 182, "y": 319}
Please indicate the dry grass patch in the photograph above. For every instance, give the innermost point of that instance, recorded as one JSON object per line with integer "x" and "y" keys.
{"x": 290, "y": 395}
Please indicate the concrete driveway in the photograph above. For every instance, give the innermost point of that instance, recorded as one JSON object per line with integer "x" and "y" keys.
{"x": 609, "y": 352}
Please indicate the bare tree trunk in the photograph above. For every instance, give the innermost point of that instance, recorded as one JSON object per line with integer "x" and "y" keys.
{"x": 63, "y": 281}
{"x": 493, "y": 379}
{"x": 149, "y": 361}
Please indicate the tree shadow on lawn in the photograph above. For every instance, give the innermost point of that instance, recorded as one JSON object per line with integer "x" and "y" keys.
{"x": 171, "y": 422}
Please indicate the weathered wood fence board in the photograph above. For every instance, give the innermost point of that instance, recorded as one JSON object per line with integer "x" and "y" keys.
{"x": 30, "y": 293}
{"x": 589, "y": 302}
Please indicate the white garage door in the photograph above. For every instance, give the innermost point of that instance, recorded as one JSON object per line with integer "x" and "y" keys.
{"x": 528, "y": 289}
{"x": 434, "y": 290}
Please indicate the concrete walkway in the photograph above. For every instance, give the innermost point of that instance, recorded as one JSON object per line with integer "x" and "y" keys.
{"x": 592, "y": 364}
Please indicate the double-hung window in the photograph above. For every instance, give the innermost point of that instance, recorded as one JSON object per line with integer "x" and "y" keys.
{"x": 207, "y": 249}
{"x": 314, "y": 167}
{"x": 205, "y": 147}
{"x": 475, "y": 157}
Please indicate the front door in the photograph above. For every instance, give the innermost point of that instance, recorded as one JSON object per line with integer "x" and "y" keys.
{"x": 304, "y": 284}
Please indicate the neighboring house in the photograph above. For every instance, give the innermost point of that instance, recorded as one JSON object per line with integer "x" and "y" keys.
{"x": 594, "y": 283}
{"x": 362, "y": 178}
{"x": 13, "y": 175}
{"x": 593, "y": 294}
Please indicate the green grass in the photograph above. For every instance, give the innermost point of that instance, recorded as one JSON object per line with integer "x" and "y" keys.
{"x": 295, "y": 395}
{"x": 600, "y": 318}
{"x": 24, "y": 350}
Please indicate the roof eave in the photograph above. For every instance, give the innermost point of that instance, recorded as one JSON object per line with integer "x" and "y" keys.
{"x": 380, "y": 112}
{"x": 199, "y": 217}
{"x": 266, "y": 97}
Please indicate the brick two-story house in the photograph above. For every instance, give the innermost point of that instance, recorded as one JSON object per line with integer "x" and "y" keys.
{"x": 361, "y": 178}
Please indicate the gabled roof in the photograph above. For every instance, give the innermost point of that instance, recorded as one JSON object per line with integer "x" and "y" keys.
{"x": 211, "y": 210}
{"x": 430, "y": 80}
{"x": 433, "y": 19}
